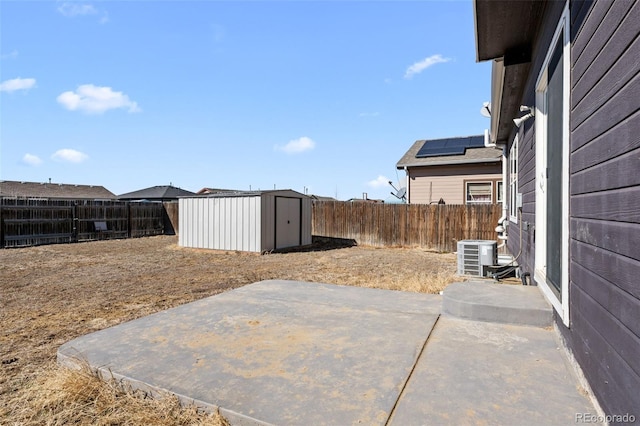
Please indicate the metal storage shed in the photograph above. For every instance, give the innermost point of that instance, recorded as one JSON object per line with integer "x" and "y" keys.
{"x": 254, "y": 221}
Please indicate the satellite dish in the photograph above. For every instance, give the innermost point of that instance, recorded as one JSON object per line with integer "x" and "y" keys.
{"x": 402, "y": 193}
{"x": 485, "y": 111}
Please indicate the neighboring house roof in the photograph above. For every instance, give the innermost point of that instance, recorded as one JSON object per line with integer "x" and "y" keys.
{"x": 365, "y": 200}
{"x": 18, "y": 189}
{"x": 474, "y": 152}
{"x": 156, "y": 193}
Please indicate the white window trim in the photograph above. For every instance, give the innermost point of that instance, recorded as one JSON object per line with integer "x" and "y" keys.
{"x": 561, "y": 306}
{"x": 466, "y": 191}
{"x": 513, "y": 182}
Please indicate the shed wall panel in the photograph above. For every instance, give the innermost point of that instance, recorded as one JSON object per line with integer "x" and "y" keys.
{"x": 184, "y": 221}
{"x": 306, "y": 221}
{"x": 220, "y": 223}
{"x": 268, "y": 219}
{"x": 253, "y": 241}
{"x": 181, "y": 222}
{"x": 204, "y": 224}
{"x": 288, "y": 222}
{"x": 243, "y": 223}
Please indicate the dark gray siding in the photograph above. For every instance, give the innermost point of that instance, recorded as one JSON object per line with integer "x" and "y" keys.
{"x": 525, "y": 245}
{"x": 521, "y": 234}
{"x": 605, "y": 200}
{"x": 604, "y": 288}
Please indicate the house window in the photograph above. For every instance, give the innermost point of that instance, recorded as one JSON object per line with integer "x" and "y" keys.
{"x": 513, "y": 181}
{"x": 478, "y": 192}
{"x": 552, "y": 171}
{"x": 500, "y": 190}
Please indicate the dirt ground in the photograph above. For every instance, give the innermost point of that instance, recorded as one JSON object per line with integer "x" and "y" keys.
{"x": 52, "y": 294}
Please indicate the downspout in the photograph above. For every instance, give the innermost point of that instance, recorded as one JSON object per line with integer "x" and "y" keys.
{"x": 501, "y": 229}
{"x": 406, "y": 171}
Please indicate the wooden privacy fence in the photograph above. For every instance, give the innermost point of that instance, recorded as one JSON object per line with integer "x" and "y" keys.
{"x": 424, "y": 225}
{"x": 28, "y": 222}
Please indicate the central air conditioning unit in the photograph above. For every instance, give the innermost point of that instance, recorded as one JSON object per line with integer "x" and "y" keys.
{"x": 475, "y": 255}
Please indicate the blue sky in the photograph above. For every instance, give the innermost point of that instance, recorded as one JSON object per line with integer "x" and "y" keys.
{"x": 323, "y": 95}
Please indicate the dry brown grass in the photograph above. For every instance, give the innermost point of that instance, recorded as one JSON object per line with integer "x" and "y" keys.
{"x": 52, "y": 294}
{"x": 60, "y": 396}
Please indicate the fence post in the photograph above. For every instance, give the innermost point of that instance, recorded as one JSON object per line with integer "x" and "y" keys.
{"x": 1, "y": 222}
{"x": 74, "y": 222}
{"x": 128, "y": 219}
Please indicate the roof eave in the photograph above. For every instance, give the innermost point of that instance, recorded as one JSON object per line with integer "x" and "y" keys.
{"x": 507, "y": 85}
{"x": 505, "y": 32}
{"x": 505, "y": 25}
{"x": 400, "y": 166}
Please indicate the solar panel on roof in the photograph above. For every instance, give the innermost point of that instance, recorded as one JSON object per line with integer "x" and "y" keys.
{"x": 476, "y": 142}
{"x": 442, "y": 147}
{"x": 439, "y": 148}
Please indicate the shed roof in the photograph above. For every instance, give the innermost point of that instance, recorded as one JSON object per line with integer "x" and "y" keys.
{"x": 9, "y": 188}
{"x": 321, "y": 198}
{"x": 471, "y": 154}
{"x": 283, "y": 192}
{"x": 155, "y": 193}
{"x": 207, "y": 190}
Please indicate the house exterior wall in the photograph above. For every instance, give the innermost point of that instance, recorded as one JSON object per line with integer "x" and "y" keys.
{"x": 429, "y": 184}
{"x": 605, "y": 200}
{"x": 521, "y": 233}
{"x": 604, "y": 194}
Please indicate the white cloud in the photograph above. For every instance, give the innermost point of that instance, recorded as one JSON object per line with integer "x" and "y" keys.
{"x": 96, "y": 100}
{"x": 31, "y": 160}
{"x": 76, "y": 9}
{"x": 297, "y": 145}
{"x": 422, "y": 65}
{"x": 379, "y": 182}
{"x": 73, "y": 9}
{"x": 67, "y": 155}
{"x": 12, "y": 55}
{"x": 17, "y": 84}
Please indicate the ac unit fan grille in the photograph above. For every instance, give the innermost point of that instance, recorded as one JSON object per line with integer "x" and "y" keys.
{"x": 473, "y": 255}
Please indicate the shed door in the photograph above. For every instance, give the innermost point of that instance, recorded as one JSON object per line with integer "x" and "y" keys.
{"x": 288, "y": 213}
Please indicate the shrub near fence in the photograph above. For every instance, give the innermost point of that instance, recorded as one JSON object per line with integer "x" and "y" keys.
{"x": 433, "y": 226}
{"x": 28, "y": 222}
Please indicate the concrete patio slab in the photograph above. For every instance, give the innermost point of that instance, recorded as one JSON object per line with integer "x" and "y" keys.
{"x": 274, "y": 352}
{"x": 481, "y": 373}
{"x": 507, "y": 304}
